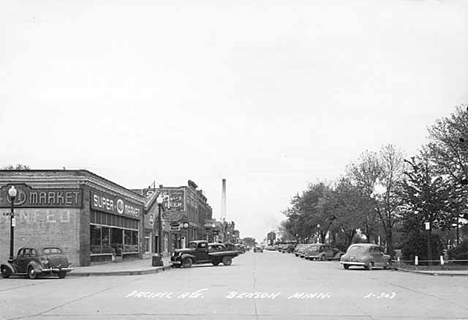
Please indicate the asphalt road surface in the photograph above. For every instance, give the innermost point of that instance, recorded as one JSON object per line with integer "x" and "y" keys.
{"x": 268, "y": 285}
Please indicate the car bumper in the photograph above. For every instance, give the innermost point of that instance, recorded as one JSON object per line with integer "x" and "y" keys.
{"x": 353, "y": 263}
{"x": 56, "y": 270}
{"x": 176, "y": 262}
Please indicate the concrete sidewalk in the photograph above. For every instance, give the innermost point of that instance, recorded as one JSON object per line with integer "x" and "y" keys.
{"x": 121, "y": 268}
{"x": 451, "y": 273}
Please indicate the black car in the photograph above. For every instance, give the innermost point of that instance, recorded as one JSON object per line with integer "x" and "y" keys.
{"x": 37, "y": 261}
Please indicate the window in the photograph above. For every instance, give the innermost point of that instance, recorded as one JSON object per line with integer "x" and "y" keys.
{"x": 105, "y": 240}
{"x": 202, "y": 245}
{"x": 33, "y": 253}
{"x": 95, "y": 239}
{"x": 130, "y": 241}
{"x": 52, "y": 251}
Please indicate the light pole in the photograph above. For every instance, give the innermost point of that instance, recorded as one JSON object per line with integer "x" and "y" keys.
{"x": 160, "y": 200}
{"x": 12, "y": 193}
{"x": 429, "y": 253}
{"x": 157, "y": 258}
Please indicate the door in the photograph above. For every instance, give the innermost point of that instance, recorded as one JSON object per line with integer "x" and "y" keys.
{"x": 329, "y": 252}
{"x": 21, "y": 260}
{"x": 117, "y": 241}
{"x": 202, "y": 252}
{"x": 378, "y": 256}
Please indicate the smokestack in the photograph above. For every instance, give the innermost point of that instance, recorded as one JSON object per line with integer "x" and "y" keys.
{"x": 223, "y": 201}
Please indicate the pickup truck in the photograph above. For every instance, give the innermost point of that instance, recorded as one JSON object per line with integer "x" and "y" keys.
{"x": 201, "y": 251}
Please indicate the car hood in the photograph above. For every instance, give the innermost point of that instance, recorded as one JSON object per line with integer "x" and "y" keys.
{"x": 184, "y": 250}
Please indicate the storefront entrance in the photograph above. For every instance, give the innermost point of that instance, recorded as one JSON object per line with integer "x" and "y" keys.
{"x": 117, "y": 242}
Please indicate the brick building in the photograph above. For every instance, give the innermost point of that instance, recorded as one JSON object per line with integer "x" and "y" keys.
{"x": 91, "y": 218}
{"x": 186, "y": 216}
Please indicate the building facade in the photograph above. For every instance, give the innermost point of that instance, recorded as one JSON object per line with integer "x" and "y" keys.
{"x": 91, "y": 218}
{"x": 185, "y": 216}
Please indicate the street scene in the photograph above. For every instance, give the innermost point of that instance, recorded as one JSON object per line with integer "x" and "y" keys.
{"x": 268, "y": 285}
{"x": 234, "y": 160}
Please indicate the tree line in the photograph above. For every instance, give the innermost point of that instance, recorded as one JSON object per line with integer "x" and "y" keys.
{"x": 385, "y": 194}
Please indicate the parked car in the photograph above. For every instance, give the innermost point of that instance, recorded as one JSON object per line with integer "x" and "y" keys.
{"x": 230, "y": 246}
{"x": 199, "y": 252}
{"x": 299, "y": 248}
{"x": 240, "y": 248}
{"x": 37, "y": 261}
{"x": 319, "y": 251}
{"x": 366, "y": 255}
{"x": 302, "y": 250}
{"x": 290, "y": 248}
{"x": 258, "y": 249}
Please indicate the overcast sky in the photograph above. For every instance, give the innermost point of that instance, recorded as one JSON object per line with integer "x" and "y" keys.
{"x": 270, "y": 95}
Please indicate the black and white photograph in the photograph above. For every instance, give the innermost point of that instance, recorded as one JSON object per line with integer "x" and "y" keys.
{"x": 234, "y": 160}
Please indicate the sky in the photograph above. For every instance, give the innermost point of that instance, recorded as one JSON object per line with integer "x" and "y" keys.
{"x": 269, "y": 95}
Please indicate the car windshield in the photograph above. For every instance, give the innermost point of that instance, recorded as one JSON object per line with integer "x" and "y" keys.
{"x": 52, "y": 251}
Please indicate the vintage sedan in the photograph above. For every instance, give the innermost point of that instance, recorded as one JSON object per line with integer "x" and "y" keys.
{"x": 367, "y": 255}
{"x": 323, "y": 252}
{"x": 37, "y": 261}
{"x": 258, "y": 249}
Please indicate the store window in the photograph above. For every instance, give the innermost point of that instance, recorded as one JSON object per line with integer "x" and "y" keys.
{"x": 95, "y": 239}
{"x": 107, "y": 234}
{"x": 130, "y": 241}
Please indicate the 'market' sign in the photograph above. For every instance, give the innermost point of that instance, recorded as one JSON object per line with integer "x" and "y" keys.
{"x": 28, "y": 197}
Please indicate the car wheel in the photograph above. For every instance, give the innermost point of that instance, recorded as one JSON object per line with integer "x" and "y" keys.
{"x": 346, "y": 266}
{"x": 227, "y": 261}
{"x": 323, "y": 258}
{"x": 5, "y": 273}
{"x": 187, "y": 262}
{"x": 32, "y": 273}
{"x": 62, "y": 274}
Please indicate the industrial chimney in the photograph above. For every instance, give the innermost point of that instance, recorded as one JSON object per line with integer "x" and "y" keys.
{"x": 223, "y": 201}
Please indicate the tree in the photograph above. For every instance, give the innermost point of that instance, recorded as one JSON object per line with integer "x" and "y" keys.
{"x": 384, "y": 170}
{"x": 349, "y": 204}
{"x": 306, "y": 216}
{"x": 16, "y": 167}
{"x": 448, "y": 146}
{"x": 426, "y": 198}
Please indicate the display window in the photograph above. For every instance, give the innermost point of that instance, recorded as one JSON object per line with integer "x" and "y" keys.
{"x": 111, "y": 234}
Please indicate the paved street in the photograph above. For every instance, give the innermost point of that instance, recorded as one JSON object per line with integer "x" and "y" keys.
{"x": 268, "y": 285}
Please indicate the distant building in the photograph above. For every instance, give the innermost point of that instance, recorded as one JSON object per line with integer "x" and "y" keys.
{"x": 186, "y": 216}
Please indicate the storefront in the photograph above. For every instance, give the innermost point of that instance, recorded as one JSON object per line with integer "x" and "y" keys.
{"x": 91, "y": 218}
{"x": 114, "y": 227}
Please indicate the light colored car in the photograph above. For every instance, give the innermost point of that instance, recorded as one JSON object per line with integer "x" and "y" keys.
{"x": 322, "y": 252}
{"x": 367, "y": 255}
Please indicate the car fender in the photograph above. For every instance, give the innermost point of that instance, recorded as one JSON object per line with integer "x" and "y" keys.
{"x": 37, "y": 267}
{"x": 187, "y": 255}
{"x": 9, "y": 266}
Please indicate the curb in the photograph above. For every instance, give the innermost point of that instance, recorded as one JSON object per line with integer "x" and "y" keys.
{"x": 118, "y": 273}
{"x": 433, "y": 273}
